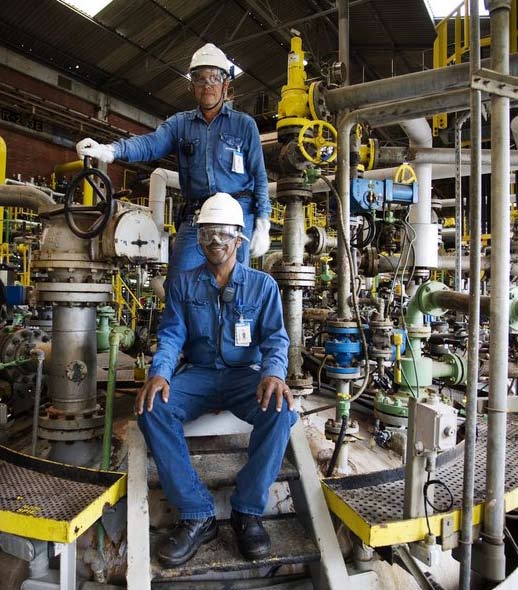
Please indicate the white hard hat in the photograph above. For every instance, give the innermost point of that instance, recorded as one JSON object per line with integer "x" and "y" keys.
{"x": 210, "y": 56}
{"x": 221, "y": 208}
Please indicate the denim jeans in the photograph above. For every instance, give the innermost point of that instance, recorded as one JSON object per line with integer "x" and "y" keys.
{"x": 187, "y": 254}
{"x": 195, "y": 391}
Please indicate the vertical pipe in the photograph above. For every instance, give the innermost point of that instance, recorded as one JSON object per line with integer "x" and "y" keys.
{"x": 40, "y": 357}
{"x": 475, "y": 230}
{"x": 343, "y": 173}
{"x": 293, "y": 254}
{"x": 343, "y": 35}
{"x": 494, "y": 512}
{"x": 110, "y": 390}
{"x": 459, "y": 122}
{"x": 3, "y": 168}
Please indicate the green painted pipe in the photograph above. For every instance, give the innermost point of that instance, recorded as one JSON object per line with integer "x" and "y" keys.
{"x": 110, "y": 390}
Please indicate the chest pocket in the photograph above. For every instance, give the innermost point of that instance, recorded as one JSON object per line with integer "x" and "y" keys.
{"x": 199, "y": 320}
{"x": 228, "y": 145}
{"x": 250, "y": 313}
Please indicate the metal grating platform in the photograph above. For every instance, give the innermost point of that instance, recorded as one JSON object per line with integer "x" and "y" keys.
{"x": 290, "y": 544}
{"x": 51, "y": 501}
{"x": 372, "y": 505}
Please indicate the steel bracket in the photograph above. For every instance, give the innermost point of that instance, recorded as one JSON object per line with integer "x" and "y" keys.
{"x": 495, "y": 83}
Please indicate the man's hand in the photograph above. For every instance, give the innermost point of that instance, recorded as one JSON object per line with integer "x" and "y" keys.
{"x": 101, "y": 151}
{"x": 260, "y": 242}
{"x": 146, "y": 394}
{"x": 273, "y": 386}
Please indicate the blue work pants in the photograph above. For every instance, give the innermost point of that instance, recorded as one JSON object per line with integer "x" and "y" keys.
{"x": 195, "y": 391}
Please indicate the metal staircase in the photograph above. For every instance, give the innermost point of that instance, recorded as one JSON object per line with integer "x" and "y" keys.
{"x": 306, "y": 537}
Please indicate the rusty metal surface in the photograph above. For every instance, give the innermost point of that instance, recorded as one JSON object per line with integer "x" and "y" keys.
{"x": 46, "y": 489}
{"x": 290, "y": 544}
{"x": 220, "y": 469}
{"x": 383, "y": 503}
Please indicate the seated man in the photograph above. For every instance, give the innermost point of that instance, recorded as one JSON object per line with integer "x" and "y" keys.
{"x": 227, "y": 319}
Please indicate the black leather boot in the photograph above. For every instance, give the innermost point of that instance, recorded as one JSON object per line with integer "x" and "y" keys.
{"x": 185, "y": 539}
{"x": 253, "y": 541}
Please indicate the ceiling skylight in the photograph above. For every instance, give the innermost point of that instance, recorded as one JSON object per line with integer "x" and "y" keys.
{"x": 89, "y": 7}
{"x": 440, "y": 9}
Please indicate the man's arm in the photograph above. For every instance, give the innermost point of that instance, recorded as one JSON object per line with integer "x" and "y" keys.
{"x": 152, "y": 146}
{"x": 171, "y": 338}
{"x": 257, "y": 169}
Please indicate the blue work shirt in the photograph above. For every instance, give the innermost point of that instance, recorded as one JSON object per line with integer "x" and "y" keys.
{"x": 206, "y": 154}
{"x": 198, "y": 321}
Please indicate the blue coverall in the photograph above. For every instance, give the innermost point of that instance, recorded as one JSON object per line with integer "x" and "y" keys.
{"x": 219, "y": 375}
{"x": 206, "y": 155}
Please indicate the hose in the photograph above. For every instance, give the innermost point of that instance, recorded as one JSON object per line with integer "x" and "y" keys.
{"x": 338, "y": 445}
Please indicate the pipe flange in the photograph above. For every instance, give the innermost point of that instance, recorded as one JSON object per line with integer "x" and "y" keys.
{"x": 317, "y": 101}
{"x": 422, "y": 332}
{"x": 340, "y": 324}
{"x": 293, "y": 187}
{"x": 295, "y": 276}
{"x": 343, "y": 373}
{"x": 54, "y": 419}
{"x": 298, "y": 382}
{"x": 318, "y": 240}
{"x": 370, "y": 262}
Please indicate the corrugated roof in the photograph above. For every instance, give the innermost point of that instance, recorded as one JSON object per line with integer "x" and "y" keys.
{"x": 140, "y": 50}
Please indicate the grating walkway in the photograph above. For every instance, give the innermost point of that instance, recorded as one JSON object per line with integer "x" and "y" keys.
{"x": 372, "y": 505}
{"x": 51, "y": 501}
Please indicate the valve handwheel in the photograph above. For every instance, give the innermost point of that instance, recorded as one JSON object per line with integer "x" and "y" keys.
{"x": 323, "y": 140}
{"x": 103, "y": 207}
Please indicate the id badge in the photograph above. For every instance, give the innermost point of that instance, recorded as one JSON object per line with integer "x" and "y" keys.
{"x": 238, "y": 165}
{"x": 242, "y": 333}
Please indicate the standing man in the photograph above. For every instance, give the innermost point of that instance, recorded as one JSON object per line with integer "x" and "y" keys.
{"x": 227, "y": 319}
{"x": 217, "y": 149}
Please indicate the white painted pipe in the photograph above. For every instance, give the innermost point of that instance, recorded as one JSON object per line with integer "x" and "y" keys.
{"x": 159, "y": 180}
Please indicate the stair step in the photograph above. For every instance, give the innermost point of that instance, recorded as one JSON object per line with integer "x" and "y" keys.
{"x": 218, "y": 470}
{"x": 290, "y": 544}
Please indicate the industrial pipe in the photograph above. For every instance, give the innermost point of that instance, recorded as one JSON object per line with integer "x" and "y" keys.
{"x": 71, "y": 168}
{"x": 40, "y": 357}
{"x": 400, "y": 88}
{"x": 28, "y": 197}
{"x": 420, "y": 135}
{"x": 494, "y": 508}
{"x": 159, "y": 180}
{"x": 459, "y": 122}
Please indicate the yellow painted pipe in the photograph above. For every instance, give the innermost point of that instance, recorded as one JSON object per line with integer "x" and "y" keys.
{"x": 3, "y": 167}
{"x": 76, "y": 166}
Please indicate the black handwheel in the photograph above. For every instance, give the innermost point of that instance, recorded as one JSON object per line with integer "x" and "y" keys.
{"x": 104, "y": 205}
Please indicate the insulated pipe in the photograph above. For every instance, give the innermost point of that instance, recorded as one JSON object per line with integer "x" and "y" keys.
{"x": 389, "y": 263}
{"x": 399, "y": 88}
{"x": 420, "y": 135}
{"x": 494, "y": 508}
{"x": 28, "y": 197}
{"x": 514, "y": 131}
{"x": 159, "y": 180}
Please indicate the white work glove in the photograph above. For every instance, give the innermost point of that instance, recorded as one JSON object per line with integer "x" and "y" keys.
{"x": 260, "y": 242}
{"x": 101, "y": 151}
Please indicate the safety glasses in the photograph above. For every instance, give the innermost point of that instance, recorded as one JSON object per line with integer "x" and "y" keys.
{"x": 218, "y": 234}
{"x": 201, "y": 79}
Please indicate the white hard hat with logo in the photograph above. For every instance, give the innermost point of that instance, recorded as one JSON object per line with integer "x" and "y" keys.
{"x": 221, "y": 208}
{"x": 210, "y": 56}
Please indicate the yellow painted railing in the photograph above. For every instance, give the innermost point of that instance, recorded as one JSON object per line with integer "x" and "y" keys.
{"x": 311, "y": 215}
{"x": 452, "y": 44}
{"x": 123, "y": 297}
